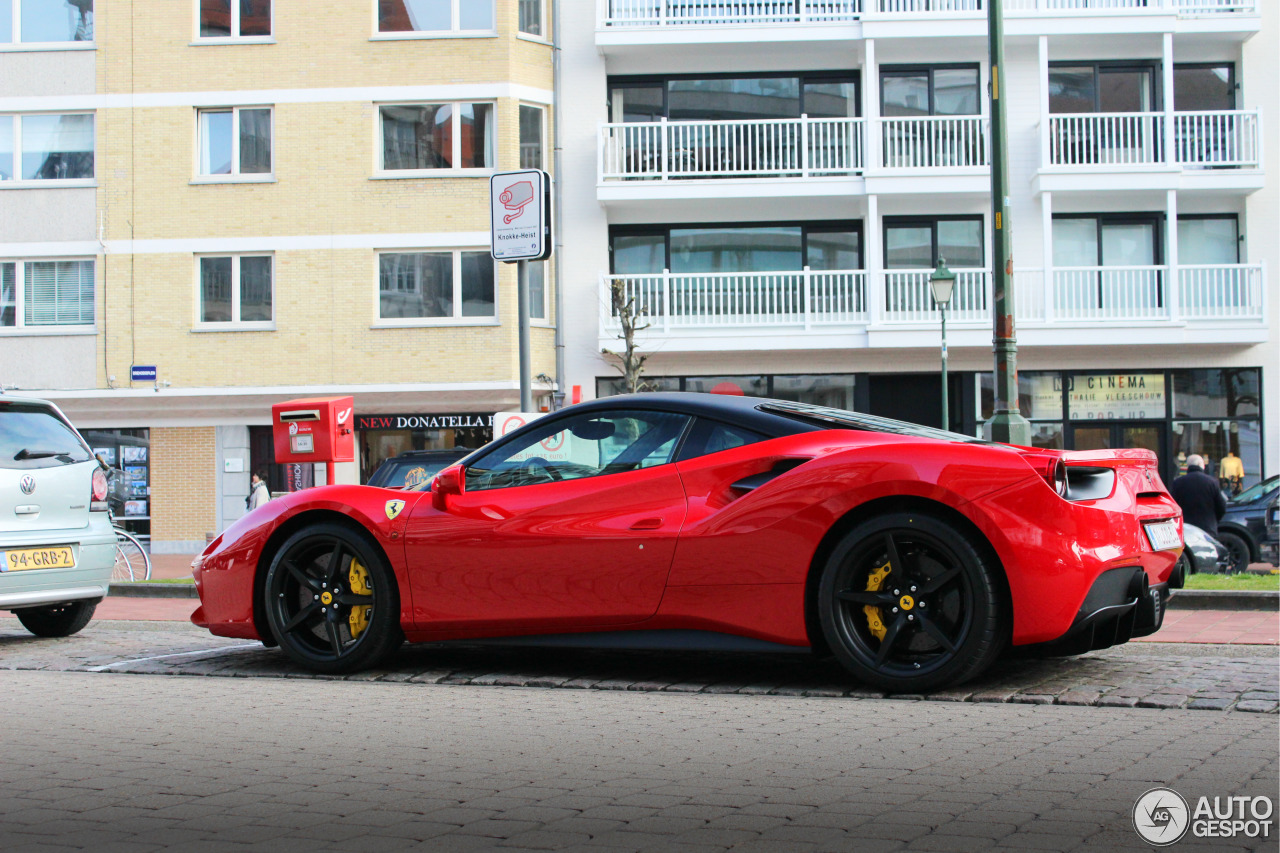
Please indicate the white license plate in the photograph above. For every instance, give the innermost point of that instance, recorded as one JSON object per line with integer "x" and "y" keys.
{"x": 1163, "y": 535}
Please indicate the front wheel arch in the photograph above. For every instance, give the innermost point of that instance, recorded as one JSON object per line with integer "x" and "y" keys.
{"x": 884, "y": 506}
{"x": 277, "y": 540}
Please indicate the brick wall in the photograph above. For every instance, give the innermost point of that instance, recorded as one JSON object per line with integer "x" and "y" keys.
{"x": 183, "y": 484}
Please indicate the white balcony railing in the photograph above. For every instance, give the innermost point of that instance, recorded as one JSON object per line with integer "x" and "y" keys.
{"x": 1105, "y": 139}
{"x": 1217, "y": 139}
{"x": 908, "y": 298}
{"x": 1109, "y": 293}
{"x": 833, "y": 299}
{"x": 1216, "y": 292}
{"x": 665, "y": 150}
{"x": 676, "y": 13}
{"x": 740, "y": 300}
{"x": 934, "y": 142}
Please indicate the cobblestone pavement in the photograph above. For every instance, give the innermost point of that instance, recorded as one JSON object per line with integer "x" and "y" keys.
{"x": 145, "y": 763}
{"x": 1169, "y": 676}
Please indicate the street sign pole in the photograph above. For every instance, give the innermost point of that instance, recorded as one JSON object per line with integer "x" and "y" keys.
{"x": 522, "y": 301}
{"x": 1007, "y": 423}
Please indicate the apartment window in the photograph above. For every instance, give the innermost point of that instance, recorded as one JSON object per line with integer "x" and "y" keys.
{"x": 44, "y": 147}
{"x": 1102, "y": 88}
{"x": 729, "y": 98}
{"x": 938, "y": 90}
{"x": 531, "y": 18}
{"x": 436, "y": 285}
{"x": 918, "y": 242}
{"x": 235, "y": 141}
{"x": 442, "y": 17}
{"x": 1109, "y": 240}
{"x": 45, "y": 21}
{"x": 736, "y": 248}
{"x": 1202, "y": 86}
{"x": 421, "y": 137}
{"x": 235, "y": 19}
{"x": 37, "y": 293}
{"x": 1210, "y": 239}
{"x": 236, "y": 289}
{"x": 537, "y": 290}
{"x": 530, "y": 137}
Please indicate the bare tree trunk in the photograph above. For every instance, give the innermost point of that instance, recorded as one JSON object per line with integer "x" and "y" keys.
{"x": 630, "y": 363}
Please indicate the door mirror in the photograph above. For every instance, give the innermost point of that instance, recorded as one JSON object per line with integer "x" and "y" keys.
{"x": 447, "y": 482}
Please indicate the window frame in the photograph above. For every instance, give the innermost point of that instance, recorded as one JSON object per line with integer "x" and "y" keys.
{"x": 543, "y": 37}
{"x": 458, "y": 318}
{"x": 380, "y": 172}
{"x": 1232, "y": 217}
{"x": 16, "y": 181}
{"x": 929, "y": 69}
{"x": 807, "y": 227}
{"x": 197, "y": 39}
{"x": 1099, "y": 67}
{"x": 1155, "y": 219}
{"x": 454, "y": 31}
{"x": 664, "y": 81}
{"x": 932, "y": 223}
{"x": 17, "y": 44}
{"x": 542, "y": 134}
{"x": 235, "y": 176}
{"x": 235, "y": 324}
{"x": 20, "y": 326}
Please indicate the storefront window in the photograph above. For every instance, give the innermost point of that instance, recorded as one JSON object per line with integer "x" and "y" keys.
{"x": 127, "y": 452}
{"x": 1219, "y": 440}
{"x": 834, "y": 391}
{"x": 1039, "y": 395}
{"x": 381, "y": 437}
{"x": 1115, "y": 396}
{"x": 1216, "y": 393}
{"x": 744, "y": 386}
{"x": 615, "y": 386}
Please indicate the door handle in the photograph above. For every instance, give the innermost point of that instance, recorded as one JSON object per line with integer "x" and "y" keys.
{"x": 647, "y": 524}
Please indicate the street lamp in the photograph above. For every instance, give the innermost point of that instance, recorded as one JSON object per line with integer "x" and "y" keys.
{"x": 942, "y": 282}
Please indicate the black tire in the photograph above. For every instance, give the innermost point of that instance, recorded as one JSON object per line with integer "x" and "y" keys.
{"x": 909, "y": 604}
{"x": 58, "y": 620}
{"x": 322, "y": 619}
{"x": 1237, "y": 548}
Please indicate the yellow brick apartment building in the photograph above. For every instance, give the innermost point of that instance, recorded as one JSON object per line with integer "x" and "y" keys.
{"x": 264, "y": 200}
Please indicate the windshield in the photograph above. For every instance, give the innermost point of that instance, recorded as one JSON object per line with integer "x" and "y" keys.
{"x": 840, "y": 419}
{"x": 32, "y": 436}
{"x": 1256, "y": 491}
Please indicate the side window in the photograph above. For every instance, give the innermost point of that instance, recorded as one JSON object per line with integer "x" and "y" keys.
{"x": 712, "y": 437}
{"x": 588, "y": 445}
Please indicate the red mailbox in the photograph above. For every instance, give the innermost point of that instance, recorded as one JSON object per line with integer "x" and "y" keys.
{"x": 316, "y": 429}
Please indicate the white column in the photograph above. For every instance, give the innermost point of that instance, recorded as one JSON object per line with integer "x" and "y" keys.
{"x": 1167, "y": 71}
{"x": 874, "y": 262}
{"x": 1044, "y": 101}
{"x": 1172, "y": 284}
{"x": 1046, "y": 213}
{"x": 871, "y": 106}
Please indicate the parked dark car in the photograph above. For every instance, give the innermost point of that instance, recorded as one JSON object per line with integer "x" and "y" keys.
{"x": 1271, "y": 544}
{"x": 1243, "y": 528}
{"x": 1203, "y": 554}
{"x": 414, "y": 468}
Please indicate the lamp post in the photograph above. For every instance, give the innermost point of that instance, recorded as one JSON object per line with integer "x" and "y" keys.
{"x": 942, "y": 282}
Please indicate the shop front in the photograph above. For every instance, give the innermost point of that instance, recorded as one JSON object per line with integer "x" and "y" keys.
{"x": 127, "y": 455}
{"x": 380, "y": 437}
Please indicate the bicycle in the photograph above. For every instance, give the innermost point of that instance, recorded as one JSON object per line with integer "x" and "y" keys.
{"x": 133, "y": 563}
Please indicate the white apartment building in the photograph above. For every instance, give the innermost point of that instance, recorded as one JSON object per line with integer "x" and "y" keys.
{"x": 772, "y": 182}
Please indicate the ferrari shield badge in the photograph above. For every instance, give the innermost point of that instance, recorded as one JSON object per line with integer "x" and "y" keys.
{"x": 393, "y": 508}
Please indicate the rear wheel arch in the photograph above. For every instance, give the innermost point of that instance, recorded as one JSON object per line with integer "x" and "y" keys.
{"x": 884, "y": 506}
{"x": 277, "y": 540}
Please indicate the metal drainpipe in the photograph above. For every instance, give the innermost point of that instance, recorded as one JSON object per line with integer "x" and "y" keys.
{"x": 557, "y": 398}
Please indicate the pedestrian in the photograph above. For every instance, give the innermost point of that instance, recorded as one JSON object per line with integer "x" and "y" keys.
{"x": 258, "y": 492}
{"x": 1199, "y": 496}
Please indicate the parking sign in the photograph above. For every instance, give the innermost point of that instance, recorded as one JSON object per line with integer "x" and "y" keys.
{"x": 520, "y": 215}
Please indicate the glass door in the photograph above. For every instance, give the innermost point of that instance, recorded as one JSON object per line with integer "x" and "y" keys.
{"x": 1117, "y": 435}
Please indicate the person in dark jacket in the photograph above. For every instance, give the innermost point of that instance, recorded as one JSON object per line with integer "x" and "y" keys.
{"x": 1199, "y": 496}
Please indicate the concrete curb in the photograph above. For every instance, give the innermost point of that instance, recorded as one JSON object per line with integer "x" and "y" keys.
{"x": 1223, "y": 599}
{"x": 141, "y": 589}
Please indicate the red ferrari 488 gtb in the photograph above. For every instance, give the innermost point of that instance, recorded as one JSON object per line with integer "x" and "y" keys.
{"x": 710, "y": 522}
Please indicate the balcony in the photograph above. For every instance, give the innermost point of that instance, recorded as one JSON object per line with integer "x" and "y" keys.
{"x": 786, "y": 161}
{"x": 1209, "y": 150}
{"x": 850, "y": 309}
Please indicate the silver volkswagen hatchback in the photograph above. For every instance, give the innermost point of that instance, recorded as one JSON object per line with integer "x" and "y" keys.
{"x": 57, "y": 546}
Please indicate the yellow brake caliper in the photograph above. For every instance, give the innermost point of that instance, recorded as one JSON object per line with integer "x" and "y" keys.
{"x": 358, "y": 577}
{"x": 875, "y": 619}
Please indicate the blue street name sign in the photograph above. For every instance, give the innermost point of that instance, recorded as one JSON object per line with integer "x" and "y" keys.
{"x": 143, "y": 373}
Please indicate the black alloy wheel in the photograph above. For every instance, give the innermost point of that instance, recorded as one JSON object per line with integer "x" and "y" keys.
{"x": 58, "y": 620}
{"x": 908, "y": 604}
{"x": 331, "y": 600}
{"x": 1237, "y": 550}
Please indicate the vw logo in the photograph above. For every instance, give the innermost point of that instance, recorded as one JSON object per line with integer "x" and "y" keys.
{"x": 28, "y": 484}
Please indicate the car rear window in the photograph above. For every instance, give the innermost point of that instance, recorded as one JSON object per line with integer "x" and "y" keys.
{"x": 32, "y": 436}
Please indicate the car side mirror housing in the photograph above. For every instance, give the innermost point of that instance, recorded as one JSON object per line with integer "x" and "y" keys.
{"x": 447, "y": 482}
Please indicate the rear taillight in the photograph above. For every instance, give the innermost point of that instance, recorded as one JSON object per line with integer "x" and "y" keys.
{"x": 99, "y": 496}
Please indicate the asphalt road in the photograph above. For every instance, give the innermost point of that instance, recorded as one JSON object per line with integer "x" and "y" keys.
{"x": 423, "y": 755}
